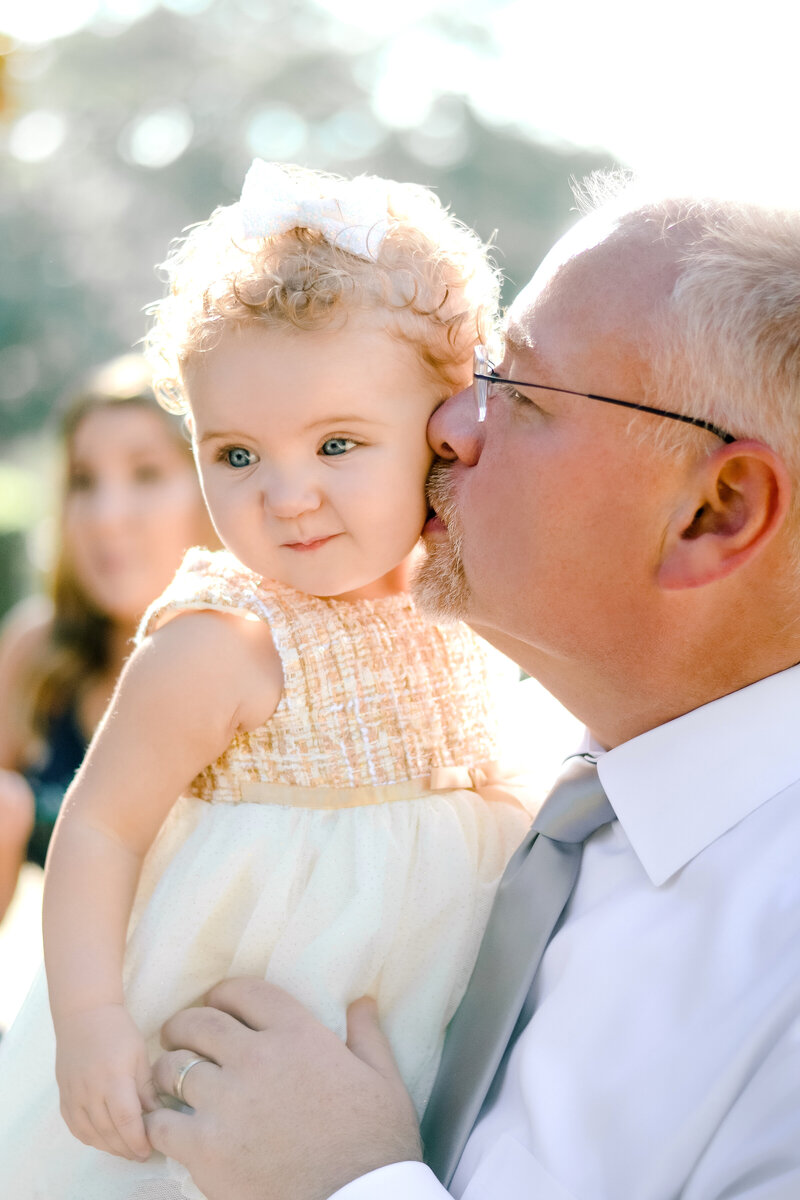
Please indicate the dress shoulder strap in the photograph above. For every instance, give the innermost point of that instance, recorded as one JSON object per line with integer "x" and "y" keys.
{"x": 206, "y": 579}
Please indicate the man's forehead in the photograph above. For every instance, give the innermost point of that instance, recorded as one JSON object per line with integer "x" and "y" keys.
{"x": 587, "y": 325}
{"x": 584, "y": 235}
{"x": 602, "y": 275}
{"x": 523, "y": 318}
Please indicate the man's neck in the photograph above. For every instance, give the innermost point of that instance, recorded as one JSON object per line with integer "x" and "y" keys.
{"x": 617, "y": 705}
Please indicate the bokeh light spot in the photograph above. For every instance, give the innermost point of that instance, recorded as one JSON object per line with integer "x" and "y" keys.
{"x": 158, "y": 138}
{"x": 349, "y": 134}
{"x": 37, "y": 135}
{"x": 443, "y": 139}
{"x": 41, "y": 20}
{"x": 277, "y": 132}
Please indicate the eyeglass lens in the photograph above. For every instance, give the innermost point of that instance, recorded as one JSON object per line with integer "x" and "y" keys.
{"x": 480, "y": 387}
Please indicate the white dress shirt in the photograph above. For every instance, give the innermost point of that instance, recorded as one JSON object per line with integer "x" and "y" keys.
{"x": 663, "y": 1057}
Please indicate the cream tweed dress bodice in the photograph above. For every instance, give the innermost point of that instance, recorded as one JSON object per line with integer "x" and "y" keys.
{"x": 373, "y": 693}
{"x": 339, "y": 850}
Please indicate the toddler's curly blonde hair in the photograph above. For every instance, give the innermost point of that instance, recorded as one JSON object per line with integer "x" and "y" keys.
{"x": 429, "y": 275}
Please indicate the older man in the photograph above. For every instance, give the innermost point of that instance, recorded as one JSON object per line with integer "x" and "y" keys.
{"x": 624, "y": 523}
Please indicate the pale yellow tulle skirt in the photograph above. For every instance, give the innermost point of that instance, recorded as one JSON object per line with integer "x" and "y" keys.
{"x": 387, "y": 899}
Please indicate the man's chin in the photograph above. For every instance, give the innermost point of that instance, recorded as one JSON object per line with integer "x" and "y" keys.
{"x": 438, "y": 584}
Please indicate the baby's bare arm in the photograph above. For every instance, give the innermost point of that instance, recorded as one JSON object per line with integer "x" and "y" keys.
{"x": 181, "y": 697}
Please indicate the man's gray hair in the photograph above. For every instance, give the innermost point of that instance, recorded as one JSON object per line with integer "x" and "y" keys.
{"x": 726, "y": 345}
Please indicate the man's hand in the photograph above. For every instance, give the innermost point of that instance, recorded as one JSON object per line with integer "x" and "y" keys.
{"x": 283, "y": 1107}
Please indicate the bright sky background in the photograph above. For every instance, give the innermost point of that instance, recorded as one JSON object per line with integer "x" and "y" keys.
{"x": 693, "y": 87}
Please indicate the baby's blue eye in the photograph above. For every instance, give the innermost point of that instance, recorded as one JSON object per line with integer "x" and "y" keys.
{"x": 237, "y": 456}
{"x": 337, "y": 445}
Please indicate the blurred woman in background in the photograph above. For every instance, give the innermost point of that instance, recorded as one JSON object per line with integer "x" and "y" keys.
{"x": 131, "y": 507}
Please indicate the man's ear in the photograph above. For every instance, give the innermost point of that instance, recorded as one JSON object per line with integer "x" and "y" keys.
{"x": 738, "y": 500}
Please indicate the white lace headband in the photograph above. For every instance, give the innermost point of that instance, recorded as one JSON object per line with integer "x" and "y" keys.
{"x": 350, "y": 214}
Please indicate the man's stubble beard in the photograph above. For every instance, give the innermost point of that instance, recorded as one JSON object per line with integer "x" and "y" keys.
{"x": 439, "y": 584}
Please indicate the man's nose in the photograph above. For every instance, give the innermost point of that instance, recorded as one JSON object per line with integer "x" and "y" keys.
{"x": 454, "y": 431}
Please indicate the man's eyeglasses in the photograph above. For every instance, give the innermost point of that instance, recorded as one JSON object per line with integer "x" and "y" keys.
{"x": 484, "y": 375}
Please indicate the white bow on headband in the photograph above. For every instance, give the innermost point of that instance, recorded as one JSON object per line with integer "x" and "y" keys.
{"x": 351, "y": 215}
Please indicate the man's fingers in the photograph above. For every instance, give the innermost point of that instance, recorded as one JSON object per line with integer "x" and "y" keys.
{"x": 367, "y": 1041}
{"x": 206, "y": 1031}
{"x": 196, "y": 1083}
{"x": 255, "y": 1003}
{"x": 173, "y": 1133}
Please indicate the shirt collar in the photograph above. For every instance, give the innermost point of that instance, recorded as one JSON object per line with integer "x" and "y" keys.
{"x": 680, "y": 786}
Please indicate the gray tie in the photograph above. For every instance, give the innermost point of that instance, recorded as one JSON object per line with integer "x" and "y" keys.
{"x": 531, "y": 897}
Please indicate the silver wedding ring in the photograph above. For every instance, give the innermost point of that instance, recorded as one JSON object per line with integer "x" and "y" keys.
{"x": 181, "y": 1077}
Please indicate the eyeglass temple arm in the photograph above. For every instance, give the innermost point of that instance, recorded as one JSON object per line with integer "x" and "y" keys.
{"x": 658, "y": 412}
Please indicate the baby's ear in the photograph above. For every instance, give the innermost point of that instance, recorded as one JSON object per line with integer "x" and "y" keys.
{"x": 736, "y": 502}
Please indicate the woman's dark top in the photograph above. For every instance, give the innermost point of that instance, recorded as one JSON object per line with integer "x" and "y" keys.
{"x": 64, "y": 750}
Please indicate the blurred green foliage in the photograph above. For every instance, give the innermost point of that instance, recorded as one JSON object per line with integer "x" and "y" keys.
{"x": 26, "y": 496}
{"x": 22, "y": 498}
{"x": 116, "y": 138}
